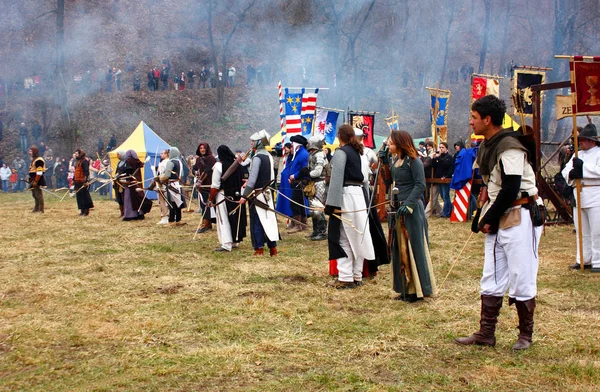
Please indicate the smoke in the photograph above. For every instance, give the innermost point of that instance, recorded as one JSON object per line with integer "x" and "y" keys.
{"x": 369, "y": 49}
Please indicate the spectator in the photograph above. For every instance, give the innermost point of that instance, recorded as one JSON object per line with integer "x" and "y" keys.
{"x": 20, "y": 166}
{"x": 100, "y": 146}
{"x": 48, "y": 162}
{"x": 443, "y": 168}
{"x": 108, "y": 79}
{"x": 191, "y": 76}
{"x": 164, "y": 78}
{"x": 112, "y": 143}
{"x": 36, "y": 131}
{"x": 155, "y": 78}
{"x": 203, "y": 77}
{"x": 117, "y": 72}
{"x": 250, "y": 75}
{"x": 137, "y": 80}
{"x": 24, "y": 135}
{"x": 14, "y": 181}
{"x": 231, "y": 76}
{"x": 150, "y": 76}
{"x": 5, "y": 173}
{"x": 182, "y": 81}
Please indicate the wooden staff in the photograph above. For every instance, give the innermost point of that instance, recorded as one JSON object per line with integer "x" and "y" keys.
{"x": 577, "y": 183}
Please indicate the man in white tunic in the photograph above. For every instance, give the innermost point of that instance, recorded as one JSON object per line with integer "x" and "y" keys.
{"x": 512, "y": 235}
{"x": 587, "y": 168}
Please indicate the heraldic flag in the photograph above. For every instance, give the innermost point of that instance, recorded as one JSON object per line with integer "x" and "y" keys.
{"x": 366, "y": 122}
{"x": 441, "y": 110}
{"x": 484, "y": 86}
{"x": 309, "y": 105}
{"x": 326, "y": 125}
{"x": 293, "y": 111}
{"x": 523, "y": 81}
{"x": 585, "y": 80}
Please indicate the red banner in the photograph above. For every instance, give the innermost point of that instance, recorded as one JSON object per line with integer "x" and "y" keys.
{"x": 478, "y": 88}
{"x": 366, "y": 123}
{"x": 585, "y": 85}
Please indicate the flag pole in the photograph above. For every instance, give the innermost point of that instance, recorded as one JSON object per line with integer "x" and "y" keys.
{"x": 576, "y": 155}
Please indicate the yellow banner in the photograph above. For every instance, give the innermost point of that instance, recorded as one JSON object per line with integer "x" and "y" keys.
{"x": 564, "y": 106}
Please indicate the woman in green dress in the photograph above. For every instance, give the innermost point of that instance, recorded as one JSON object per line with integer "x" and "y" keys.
{"x": 409, "y": 246}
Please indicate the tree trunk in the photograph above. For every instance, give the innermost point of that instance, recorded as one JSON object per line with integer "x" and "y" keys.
{"x": 486, "y": 35}
{"x": 68, "y": 129}
{"x": 447, "y": 41}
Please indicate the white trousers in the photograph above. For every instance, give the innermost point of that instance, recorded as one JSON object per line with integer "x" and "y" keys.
{"x": 349, "y": 268}
{"x": 591, "y": 235}
{"x": 356, "y": 246}
{"x": 511, "y": 261}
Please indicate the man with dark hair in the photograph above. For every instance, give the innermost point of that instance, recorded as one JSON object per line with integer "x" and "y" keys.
{"x": 511, "y": 220}
{"x": 586, "y": 167}
{"x": 443, "y": 168}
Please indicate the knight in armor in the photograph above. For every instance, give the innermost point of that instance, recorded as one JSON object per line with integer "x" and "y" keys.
{"x": 263, "y": 221}
{"x": 171, "y": 178}
{"x": 36, "y": 179}
{"x": 314, "y": 176}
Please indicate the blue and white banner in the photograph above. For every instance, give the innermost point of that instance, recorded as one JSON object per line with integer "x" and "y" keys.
{"x": 326, "y": 124}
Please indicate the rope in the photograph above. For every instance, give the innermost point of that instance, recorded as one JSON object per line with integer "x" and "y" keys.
{"x": 322, "y": 209}
{"x": 455, "y": 261}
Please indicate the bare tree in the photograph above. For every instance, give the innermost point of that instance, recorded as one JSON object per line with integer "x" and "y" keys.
{"x": 223, "y": 51}
{"x": 486, "y": 35}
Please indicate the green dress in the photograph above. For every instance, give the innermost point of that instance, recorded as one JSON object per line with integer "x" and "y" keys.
{"x": 409, "y": 247}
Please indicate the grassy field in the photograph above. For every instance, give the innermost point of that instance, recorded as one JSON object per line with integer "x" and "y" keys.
{"x": 96, "y": 304}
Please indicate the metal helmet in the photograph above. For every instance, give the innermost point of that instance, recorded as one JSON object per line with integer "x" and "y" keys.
{"x": 315, "y": 142}
{"x": 260, "y": 138}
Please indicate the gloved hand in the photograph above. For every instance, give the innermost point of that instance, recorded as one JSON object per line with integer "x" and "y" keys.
{"x": 575, "y": 174}
{"x": 329, "y": 210}
{"x": 577, "y": 164}
{"x": 402, "y": 210}
{"x": 383, "y": 154}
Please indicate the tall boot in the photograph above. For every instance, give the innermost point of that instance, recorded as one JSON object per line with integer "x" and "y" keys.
{"x": 315, "y": 224}
{"x": 525, "y": 311}
{"x": 41, "y": 202}
{"x": 206, "y": 226}
{"x": 122, "y": 209}
{"x": 321, "y": 229}
{"x": 490, "y": 309}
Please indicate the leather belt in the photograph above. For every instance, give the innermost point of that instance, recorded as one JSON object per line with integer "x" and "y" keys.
{"x": 525, "y": 200}
{"x": 353, "y": 183}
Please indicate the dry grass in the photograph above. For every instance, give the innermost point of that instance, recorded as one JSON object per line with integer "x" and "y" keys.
{"x": 97, "y": 304}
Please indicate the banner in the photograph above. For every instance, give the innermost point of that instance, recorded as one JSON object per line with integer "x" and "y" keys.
{"x": 309, "y": 103}
{"x": 564, "y": 106}
{"x": 366, "y": 122}
{"x": 482, "y": 86}
{"x": 585, "y": 75}
{"x": 523, "y": 79}
{"x": 326, "y": 125}
{"x": 438, "y": 114}
{"x": 293, "y": 110}
{"x": 439, "y": 106}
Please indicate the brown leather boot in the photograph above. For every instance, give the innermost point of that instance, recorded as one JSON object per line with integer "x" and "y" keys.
{"x": 490, "y": 309}
{"x": 525, "y": 311}
{"x": 273, "y": 252}
{"x": 206, "y": 226}
{"x": 259, "y": 252}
